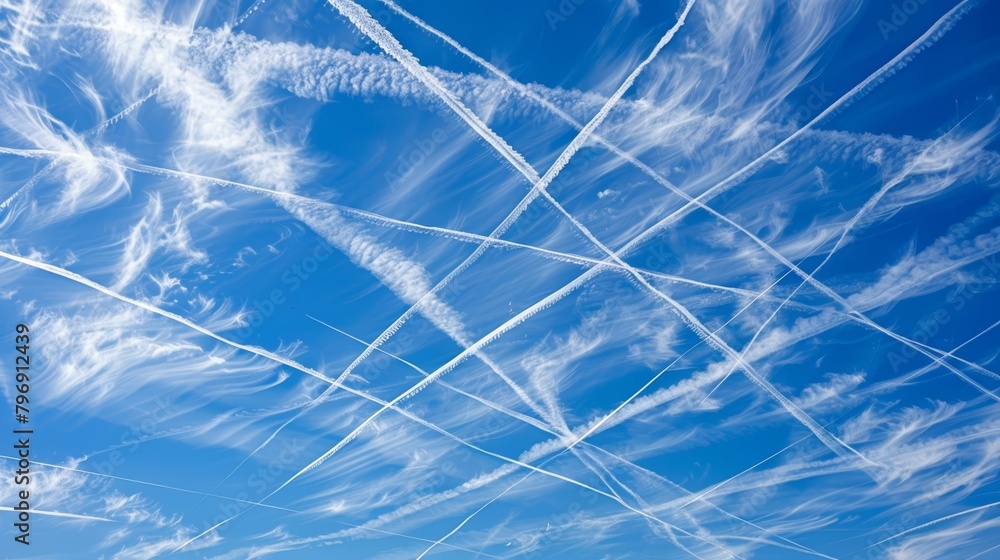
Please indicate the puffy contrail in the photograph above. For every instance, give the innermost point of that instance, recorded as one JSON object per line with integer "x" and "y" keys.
{"x": 831, "y": 440}
{"x": 834, "y": 443}
{"x": 387, "y": 42}
{"x": 374, "y": 30}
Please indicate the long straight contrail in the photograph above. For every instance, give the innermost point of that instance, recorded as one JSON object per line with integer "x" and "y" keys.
{"x": 150, "y": 484}
{"x": 834, "y": 443}
{"x": 204, "y": 494}
{"x": 932, "y": 523}
{"x": 393, "y": 223}
{"x": 848, "y": 227}
{"x": 540, "y": 426}
{"x": 360, "y": 18}
{"x": 166, "y": 314}
{"x": 531, "y": 94}
{"x": 62, "y": 514}
{"x": 290, "y": 363}
{"x": 374, "y": 30}
{"x": 387, "y": 42}
{"x": 940, "y": 27}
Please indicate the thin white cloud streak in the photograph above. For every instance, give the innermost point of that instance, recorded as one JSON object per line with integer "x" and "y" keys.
{"x": 353, "y": 238}
{"x": 358, "y": 16}
{"x": 61, "y": 514}
{"x": 402, "y": 225}
{"x": 263, "y": 353}
{"x": 937, "y": 30}
{"x": 381, "y": 36}
{"x": 544, "y": 428}
{"x": 929, "y": 269}
{"x": 934, "y": 522}
{"x": 832, "y": 441}
{"x": 149, "y": 484}
{"x": 165, "y": 314}
{"x": 911, "y": 169}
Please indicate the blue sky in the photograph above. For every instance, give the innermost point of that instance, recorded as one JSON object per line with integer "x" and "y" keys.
{"x": 589, "y": 279}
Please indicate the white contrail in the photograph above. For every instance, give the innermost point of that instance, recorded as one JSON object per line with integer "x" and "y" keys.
{"x": 386, "y": 221}
{"x": 534, "y": 423}
{"x": 210, "y": 495}
{"x": 61, "y": 514}
{"x": 581, "y": 138}
{"x": 869, "y": 204}
{"x": 363, "y": 21}
{"x": 934, "y": 522}
{"x": 28, "y": 185}
{"x": 509, "y": 460}
{"x": 257, "y": 351}
{"x": 521, "y": 88}
{"x": 598, "y": 425}
{"x": 124, "y": 112}
{"x": 473, "y": 514}
{"x": 832, "y": 441}
{"x": 162, "y": 171}
{"x": 384, "y": 39}
{"x": 706, "y": 493}
{"x": 166, "y": 314}
{"x": 290, "y": 363}
{"x": 929, "y": 367}
{"x": 150, "y": 484}
{"x": 374, "y": 30}
{"x": 485, "y": 402}
{"x": 941, "y": 26}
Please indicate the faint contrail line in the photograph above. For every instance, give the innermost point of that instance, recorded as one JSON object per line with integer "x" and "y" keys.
{"x": 934, "y": 522}
{"x": 370, "y": 27}
{"x": 941, "y": 26}
{"x": 540, "y": 426}
{"x": 210, "y": 495}
{"x": 871, "y": 203}
{"x": 834, "y": 443}
{"x": 521, "y": 88}
{"x": 151, "y": 484}
{"x": 61, "y": 514}
{"x": 290, "y": 363}
{"x": 381, "y": 36}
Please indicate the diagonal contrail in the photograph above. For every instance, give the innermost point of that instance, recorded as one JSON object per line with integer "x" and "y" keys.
{"x": 531, "y": 94}
{"x": 940, "y": 27}
{"x": 292, "y": 364}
